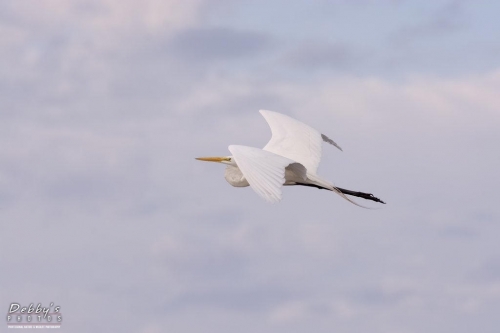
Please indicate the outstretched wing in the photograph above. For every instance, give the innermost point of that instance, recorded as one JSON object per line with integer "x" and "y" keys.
{"x": 264, "y": 170}
{"x": 295, "y": 140}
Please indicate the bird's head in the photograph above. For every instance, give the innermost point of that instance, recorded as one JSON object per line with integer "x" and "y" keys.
{"x": 229, "y": 160}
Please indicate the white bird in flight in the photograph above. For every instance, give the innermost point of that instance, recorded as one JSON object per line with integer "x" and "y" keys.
{"x": 291, "y": 157}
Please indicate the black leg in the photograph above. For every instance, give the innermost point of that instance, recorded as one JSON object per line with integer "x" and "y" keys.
{"x": 367, "y": 196}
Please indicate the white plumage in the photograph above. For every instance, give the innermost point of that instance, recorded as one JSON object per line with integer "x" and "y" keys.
{"x": 291, "y": 157}
{"x": 295, "y": 140}
{"x": 265, "y": 171}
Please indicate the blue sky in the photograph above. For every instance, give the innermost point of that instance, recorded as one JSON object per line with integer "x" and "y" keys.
{"x": 105, "y": 212}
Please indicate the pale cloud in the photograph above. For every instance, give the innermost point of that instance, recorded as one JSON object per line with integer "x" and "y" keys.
{"x": 107, "y": 106}
{"x": 325, "y": 56}
{"x": 203, "y": 45}
{"x": 289, "y": 312}
{"x": 445, "y": 20}
{"x": 149, "y": 16}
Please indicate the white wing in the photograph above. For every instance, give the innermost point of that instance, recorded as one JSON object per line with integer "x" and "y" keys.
{"x": 264, "y": 170}
{"x": 295, "y": 140}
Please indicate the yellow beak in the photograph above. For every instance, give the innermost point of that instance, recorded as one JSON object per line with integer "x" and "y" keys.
{"x": 212, "y": 159}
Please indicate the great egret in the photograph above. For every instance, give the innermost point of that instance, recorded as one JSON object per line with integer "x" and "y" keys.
{"x": 291, "y": 157}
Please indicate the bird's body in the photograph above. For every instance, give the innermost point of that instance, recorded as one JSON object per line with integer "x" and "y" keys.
{"x": 235, "y": 177}
{"x": 291, "y": 157}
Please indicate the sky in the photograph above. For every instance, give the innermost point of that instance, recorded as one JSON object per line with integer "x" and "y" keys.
{"x": 105, "y": 212}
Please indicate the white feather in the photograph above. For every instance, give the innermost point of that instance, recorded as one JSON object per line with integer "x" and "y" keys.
{"x": 291, "y": 157}
{"x": 264, "y": 170}
{"x": 295, "y": 140}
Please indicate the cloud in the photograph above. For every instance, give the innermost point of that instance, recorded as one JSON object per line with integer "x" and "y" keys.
{"x": 321, "y": 56}
{"x": 204, "y": 246}
{"x": 488, "y": 272}
{"x": 211, "y": 44}
{"x": 444, "y": 20}
{"x": 101, "y": 201}
{"x": 109, "y": 15}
